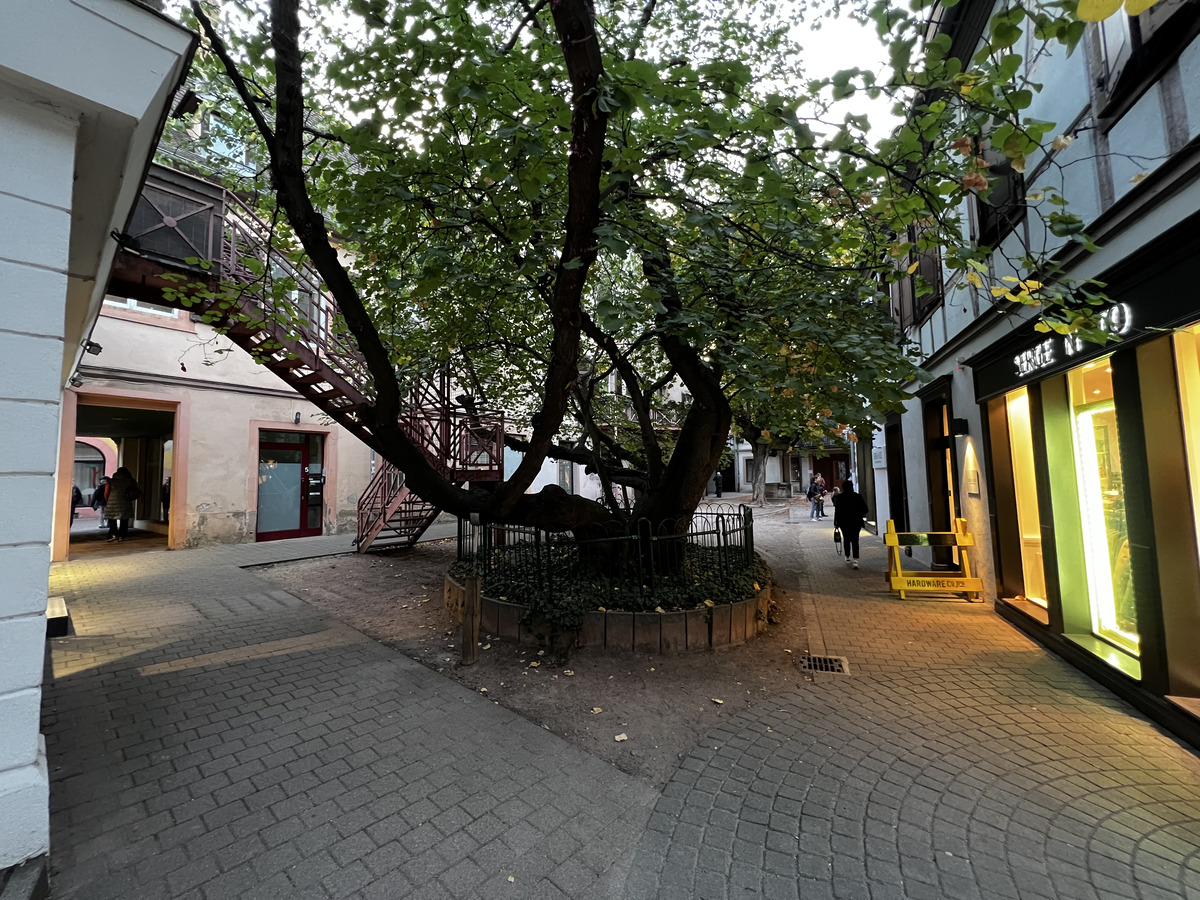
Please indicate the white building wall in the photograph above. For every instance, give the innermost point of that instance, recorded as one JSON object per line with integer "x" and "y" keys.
{"x": 35, "y": 227}
{"x": 879, "y": 477}
{"x": 83, "y": 89}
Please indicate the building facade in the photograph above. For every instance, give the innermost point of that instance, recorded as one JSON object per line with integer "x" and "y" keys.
{"x": 1077, "y": 464}
{"x": 223, "y": 450}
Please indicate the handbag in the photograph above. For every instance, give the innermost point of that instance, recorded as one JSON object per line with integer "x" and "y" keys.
{"x": 837, "y": 541}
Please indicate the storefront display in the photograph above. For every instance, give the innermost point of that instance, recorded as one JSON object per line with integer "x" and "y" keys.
{"x": 1101, "y": 487}
{"x": 1029, "y": 527}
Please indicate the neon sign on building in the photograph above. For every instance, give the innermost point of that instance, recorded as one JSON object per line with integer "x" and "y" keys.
{"x": 1117, "y": 320}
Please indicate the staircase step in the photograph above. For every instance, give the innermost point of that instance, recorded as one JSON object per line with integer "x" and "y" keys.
{"x": 58, "y": 619}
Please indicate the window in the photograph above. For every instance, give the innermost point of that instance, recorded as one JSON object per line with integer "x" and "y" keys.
{"x": 1113, "y": 46}
{"x": 924, "y": 289}
{"x": 1020, "y": 436}
{"x": 1126, "y": 55}
{"x": 1102, "y": 506}
{"x": 1187, "y": 361}
{"x": 999, "y": 214}
{"x": 141, "y": 306}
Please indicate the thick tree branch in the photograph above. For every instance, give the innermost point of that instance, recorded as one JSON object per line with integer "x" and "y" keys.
{"x": 530, "y": 14}
{"x": 575, "y": 22}
{"x": 619, "y": 474}
{"x": 641, "y": 408}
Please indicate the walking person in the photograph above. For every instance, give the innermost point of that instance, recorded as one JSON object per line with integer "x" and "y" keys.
{"x": 814, "y": 492}
{"x": 76, "y": 502}
{"x": 849, "y": 515}
{"x": 121, "y": 492}
{"x": 99, "y": 498}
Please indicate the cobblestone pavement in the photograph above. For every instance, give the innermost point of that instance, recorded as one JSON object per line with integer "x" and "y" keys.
{"x": 211, "y": 736}
{"x": 957, "y": 759}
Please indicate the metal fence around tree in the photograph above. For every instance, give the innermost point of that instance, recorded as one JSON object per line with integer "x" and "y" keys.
{"x": 638, "y": 567}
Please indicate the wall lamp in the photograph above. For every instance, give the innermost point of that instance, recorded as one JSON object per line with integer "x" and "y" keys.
{"x": 959, "y": 427}
{"x": 92, "y": 347}
{"x": 297, "y": 419}
{"x": 76, "y": 381}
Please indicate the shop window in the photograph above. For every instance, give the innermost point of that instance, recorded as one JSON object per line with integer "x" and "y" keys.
{"x": 1029, "y": 525}
{"x": 1187, "y": 360}
{"x": 1102, "y": 506}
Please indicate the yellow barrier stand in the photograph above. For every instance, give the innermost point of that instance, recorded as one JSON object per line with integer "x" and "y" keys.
{"x": 941, "y": 582}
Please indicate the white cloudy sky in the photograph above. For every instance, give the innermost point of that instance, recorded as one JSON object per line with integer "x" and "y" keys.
{"x": 842, "y": 43}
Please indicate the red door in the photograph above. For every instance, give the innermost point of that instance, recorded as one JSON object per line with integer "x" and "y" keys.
{"x": 284, "y": 507}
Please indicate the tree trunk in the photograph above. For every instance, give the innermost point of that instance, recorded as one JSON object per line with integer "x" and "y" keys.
{"x": 758, "y": 486}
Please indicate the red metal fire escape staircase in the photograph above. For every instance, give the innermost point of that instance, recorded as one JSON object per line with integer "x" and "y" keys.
{"x": 182, "y": 222}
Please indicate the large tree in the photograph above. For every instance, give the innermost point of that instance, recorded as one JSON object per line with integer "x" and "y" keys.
{"x": 547, "y": 197}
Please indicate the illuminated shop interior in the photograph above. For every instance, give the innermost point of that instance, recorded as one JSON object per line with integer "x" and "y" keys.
{"x": 1102, "y": 506}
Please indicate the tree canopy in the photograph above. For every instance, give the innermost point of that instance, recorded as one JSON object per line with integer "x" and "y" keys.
{"x": 550, "y": 198}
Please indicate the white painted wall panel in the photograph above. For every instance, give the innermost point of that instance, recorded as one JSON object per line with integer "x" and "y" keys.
{"x": 24, "y": 571}
{"x": 33, "y": 133}
{"x": 20, "y": 712}
{"x": 27, "y": 501}
{"x": 34, "y": 453}
{"x": 33, "y": 233}
{"x": 25, "y": 812}
{"x": 30, "y": 367}
{"x": 22, "y": 669}
{"x": 34, "y": 300}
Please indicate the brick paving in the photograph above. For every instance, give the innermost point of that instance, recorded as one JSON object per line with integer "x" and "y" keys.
{"x": 211, "y": 736}
{"x": 957, "y": 759}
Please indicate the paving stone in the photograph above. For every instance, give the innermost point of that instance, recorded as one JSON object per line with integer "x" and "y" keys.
{"x": 927, "y": 772}
{"x": 957, "y": 759}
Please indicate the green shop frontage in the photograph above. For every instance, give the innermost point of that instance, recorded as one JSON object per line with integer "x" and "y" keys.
{"x": 1093, "y": 471}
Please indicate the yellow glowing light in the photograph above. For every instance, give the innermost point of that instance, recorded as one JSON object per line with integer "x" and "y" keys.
{"x": 1109, "y": 370}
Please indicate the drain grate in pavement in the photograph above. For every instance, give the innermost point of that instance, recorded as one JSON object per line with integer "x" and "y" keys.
{"x": 838, "y": 665}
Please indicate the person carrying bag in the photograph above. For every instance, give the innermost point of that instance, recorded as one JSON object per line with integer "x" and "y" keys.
{"x": 849, "y": 516}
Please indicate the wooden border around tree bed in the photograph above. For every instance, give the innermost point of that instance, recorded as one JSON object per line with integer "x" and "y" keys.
{"x": 704, "y": 628}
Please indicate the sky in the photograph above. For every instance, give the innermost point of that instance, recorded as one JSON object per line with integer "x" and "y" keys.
{"x": 842, "y": 43}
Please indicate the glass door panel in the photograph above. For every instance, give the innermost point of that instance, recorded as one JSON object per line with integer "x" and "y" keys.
{"x": 1029, "y": 521}
{"x": 280, "y": 472}
{"x": 1102, "y": 506}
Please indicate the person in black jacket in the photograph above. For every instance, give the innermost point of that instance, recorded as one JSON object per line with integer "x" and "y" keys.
{"x": 849, "y": 515}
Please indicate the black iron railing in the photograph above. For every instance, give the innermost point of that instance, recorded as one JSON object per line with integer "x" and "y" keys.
{"x": 672, "y": 565}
